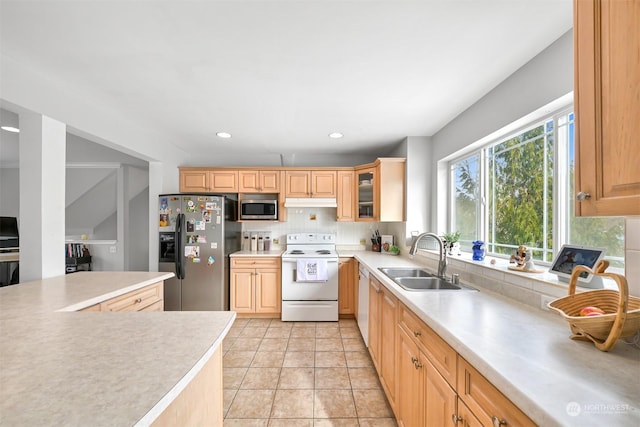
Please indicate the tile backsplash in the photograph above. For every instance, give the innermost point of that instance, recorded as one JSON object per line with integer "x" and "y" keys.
{"x": 632, "y": 254}
{"x": 319, "y": 220}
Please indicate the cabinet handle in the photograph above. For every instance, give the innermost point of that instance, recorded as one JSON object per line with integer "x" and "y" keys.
{"x": 138, "y": 300}
{"x": 417, "y": 333}
{"x": 497, "y": 422}
{"x": 416, "y": 363}
{"x": 582, "y": 196}
{"x": 378, "y": 291}
{"x": 456, "y": 419}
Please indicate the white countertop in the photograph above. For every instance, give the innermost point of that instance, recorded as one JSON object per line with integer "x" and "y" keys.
{"x": 254, "y": 254}
{"x": 95, "y": 368}
{"x": 527, "y": 353}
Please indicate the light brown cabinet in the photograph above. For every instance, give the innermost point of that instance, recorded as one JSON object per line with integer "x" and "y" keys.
{"x": 347, "y": 284}
{"x": 382, "y": 336}
{"x": 424, "y": 397}
{"x": 486, "y": 402}
{"x": 255, "y": 286}
{"x": 310, "y": 183}
{"x": 149, "y": 298}
{"x": 345, "y": 195}
{"x": 259, "y": 181}
{"x": 205, "y": 180}
{"x": 380, "y": 189}
{"x": 607, "y": 66}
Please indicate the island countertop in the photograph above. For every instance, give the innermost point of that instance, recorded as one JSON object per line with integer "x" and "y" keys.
{"x": 527, "y": 353}
{"x": 61, "y": 367}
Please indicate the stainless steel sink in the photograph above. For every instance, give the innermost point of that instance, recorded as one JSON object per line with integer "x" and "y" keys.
{"x": 425, "y": 283}
{"x": 418, "y": 279}
{"x": 406, "y": 272}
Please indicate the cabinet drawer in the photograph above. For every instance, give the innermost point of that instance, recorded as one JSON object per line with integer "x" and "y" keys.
{"x": 485, "y": 401}
{"x": 136, "y": 300}
{"x": 257, "y": 262}
{"x": 441, "y": 355}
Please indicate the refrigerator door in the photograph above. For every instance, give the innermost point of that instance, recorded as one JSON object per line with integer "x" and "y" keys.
{"x": 172, "y": 288}
{"x": 203, "y": 285}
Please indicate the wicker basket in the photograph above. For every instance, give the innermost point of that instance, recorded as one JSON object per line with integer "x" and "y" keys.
{"x": 622, "y": 312}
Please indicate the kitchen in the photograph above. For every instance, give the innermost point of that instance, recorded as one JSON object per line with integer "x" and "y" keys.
{"x": 489, "y": 113}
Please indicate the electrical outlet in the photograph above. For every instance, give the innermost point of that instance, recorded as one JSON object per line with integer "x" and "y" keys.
{"x": 112, "y": 249}
{"x": 544, "y": 300}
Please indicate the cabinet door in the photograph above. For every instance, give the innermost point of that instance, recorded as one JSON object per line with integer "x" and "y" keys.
{"x": 346, "y": 200}
{"x": 194, "y": 181}
{"x": 488, "y": 404}
{"x": 268, "y": 299}
{"x": 365, "y": 199}
{"x": 270, "y": 181}
{"x": 465, "y": 416}
{"x": 390, "y": 189}
{"x": 323, "y": 184}
{"x": 375, "y": 293}
{"x": 242, "y": 290}
{"x": 388, "y": 323}
{"x": 224, "y": 181}
{"x": 248, "y": 181}
{"x": 346, "y": 286}
{"x": 297, "y": 183}
{"x": 440, "y": 399}
{"x": 607, "y": 66}
{"x": 411, "y": 391}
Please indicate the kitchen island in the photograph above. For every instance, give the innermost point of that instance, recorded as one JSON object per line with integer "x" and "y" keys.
{"x": 60, "y": 366}
{"x": 526, "y": 353}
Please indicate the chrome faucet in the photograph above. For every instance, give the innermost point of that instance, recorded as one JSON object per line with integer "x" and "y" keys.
{"x": 442, "y": 263}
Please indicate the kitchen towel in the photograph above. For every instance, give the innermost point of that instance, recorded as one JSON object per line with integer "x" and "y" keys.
{"x": 312, "y": 270}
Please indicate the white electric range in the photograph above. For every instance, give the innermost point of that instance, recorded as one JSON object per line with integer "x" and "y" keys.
{"x": 310, "y": 278}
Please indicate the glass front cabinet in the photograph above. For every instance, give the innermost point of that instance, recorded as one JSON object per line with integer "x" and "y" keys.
{"x": 365, "y": 192}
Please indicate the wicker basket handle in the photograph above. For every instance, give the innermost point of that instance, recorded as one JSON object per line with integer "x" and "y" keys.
{"x": 621, "y": 315}
{"x": 598, "y": 270}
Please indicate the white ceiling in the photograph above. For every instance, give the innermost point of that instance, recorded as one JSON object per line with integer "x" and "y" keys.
{"x": 279, "y": 75}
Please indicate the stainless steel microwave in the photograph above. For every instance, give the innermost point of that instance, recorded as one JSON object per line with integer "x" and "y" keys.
{"x": 259, "y": 210}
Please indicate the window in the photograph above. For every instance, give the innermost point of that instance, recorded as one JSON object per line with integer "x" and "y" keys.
{"x": 518, "y": 189}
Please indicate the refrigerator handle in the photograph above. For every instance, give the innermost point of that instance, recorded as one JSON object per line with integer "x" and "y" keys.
{"x": 179, "y": 247}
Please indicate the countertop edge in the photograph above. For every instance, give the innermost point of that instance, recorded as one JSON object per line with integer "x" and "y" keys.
{"x": 116, "y": 293}
{"x": 171, "y": 395}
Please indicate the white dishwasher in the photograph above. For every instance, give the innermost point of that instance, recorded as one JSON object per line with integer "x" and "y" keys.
{"x": 363, "y": 302}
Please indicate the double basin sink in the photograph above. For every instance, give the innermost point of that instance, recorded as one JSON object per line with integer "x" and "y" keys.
{"x": 418, "y": 279}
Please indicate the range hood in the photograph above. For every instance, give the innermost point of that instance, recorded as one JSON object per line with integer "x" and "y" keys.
{"x": 310, "y": 202}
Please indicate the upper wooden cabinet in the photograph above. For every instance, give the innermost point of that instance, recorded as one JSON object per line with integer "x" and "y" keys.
{"x": 206, "y": 180}
{"x": 259, "y": 181}
{"x": 346, "y": 199}
{"x": 607, "y": 105}
{"x": 310, "y": 183}
{"x": 380, "y": 189}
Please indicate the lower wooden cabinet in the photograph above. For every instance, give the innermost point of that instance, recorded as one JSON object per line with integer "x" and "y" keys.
{"x": 347, "y": 287}
{"x": 382, "y": 332}
{"x": 149, "y": 298}
{"x": 255, "y": 287}
{"x": 426, "y": 382}
{"x": 424, "y": 396}
{"x": 486, "y": 402}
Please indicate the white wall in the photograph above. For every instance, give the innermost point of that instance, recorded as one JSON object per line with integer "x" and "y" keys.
{"x": 10, "y": 192}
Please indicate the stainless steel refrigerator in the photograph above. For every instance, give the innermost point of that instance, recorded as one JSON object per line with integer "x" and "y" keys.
{"x": 197, "y": 234}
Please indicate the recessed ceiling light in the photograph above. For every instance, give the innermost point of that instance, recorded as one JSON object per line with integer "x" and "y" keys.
{"x": 335, "y": 135}
{"x": 10, "y": 129}
{"x": 223, "y": 135}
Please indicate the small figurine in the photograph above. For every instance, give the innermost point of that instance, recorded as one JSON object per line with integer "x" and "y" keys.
{"x": 523, "y": 260}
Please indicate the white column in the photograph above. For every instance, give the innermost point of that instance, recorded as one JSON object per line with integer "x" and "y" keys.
{"x": 42, "y": 197}
{"x": 155, "y": 189}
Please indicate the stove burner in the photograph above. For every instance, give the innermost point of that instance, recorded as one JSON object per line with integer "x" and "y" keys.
{"x": 296, "y": 252}
{"x": 323, "y": 252}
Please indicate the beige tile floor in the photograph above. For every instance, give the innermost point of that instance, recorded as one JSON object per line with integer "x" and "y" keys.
{"x": 302, "y": 374}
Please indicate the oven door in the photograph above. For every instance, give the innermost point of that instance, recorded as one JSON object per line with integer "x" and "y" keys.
{"x": 292, "y": 290}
